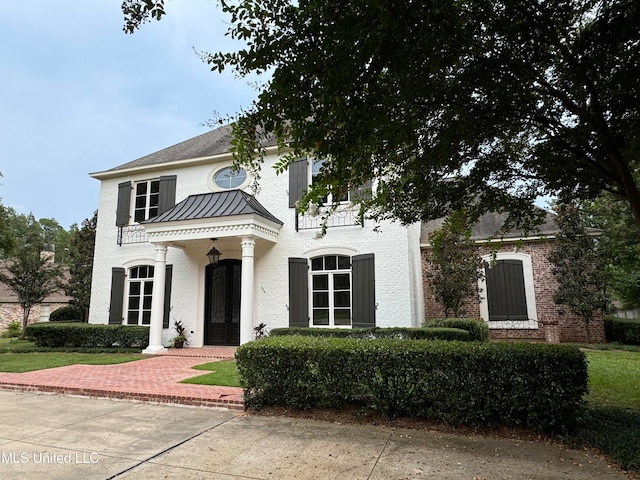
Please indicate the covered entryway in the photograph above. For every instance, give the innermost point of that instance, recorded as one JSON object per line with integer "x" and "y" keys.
{"x": 229, "y": 296}
{"x": 222, "y": 303}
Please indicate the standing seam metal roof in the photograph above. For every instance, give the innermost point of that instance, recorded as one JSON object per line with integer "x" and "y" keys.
{"x": 214, "y": 205}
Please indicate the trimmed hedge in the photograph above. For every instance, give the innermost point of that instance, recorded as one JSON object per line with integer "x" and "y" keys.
{"x": 88, "y": 335}
{"x": 540, "y": 386}
{"x": 70, "y": 313}
{"x": 622, "y": 330}
{"x": 377, "y": 332}
{"x": 477, "y": 328}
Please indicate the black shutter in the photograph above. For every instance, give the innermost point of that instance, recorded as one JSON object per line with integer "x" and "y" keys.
{"x": 363, "y": 291}
{"x": 298, "y": 181}
{"x": 506, "y": 297}
{"x": 167, "y": 193}
{"x": 167, "y": 296}
{"x": 116, "y": 303}
{"x": 124, "y": 203}
{"x": 298, "y": 292}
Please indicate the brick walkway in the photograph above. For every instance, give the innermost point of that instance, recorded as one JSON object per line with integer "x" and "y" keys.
{"x": 154, "y": 379}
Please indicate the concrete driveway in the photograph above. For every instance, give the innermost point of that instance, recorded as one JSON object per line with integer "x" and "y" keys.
{"x": 49, "y": 436}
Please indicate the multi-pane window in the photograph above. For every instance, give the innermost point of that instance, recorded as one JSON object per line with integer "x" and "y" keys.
{"x": 139, "y": 295}
{"x": 331, "y": 291}
{"x": 316, "y": 172}
{"x": 147, "y": 196}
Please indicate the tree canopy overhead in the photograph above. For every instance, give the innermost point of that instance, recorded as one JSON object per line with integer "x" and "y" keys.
{"x": 445, "y": 103}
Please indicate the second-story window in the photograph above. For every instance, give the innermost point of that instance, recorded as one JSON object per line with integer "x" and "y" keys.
{"x": 147, "y": 196}
{"x": 316, "y": 174}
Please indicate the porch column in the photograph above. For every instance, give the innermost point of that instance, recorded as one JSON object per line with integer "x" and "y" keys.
{"x": 246, "y": 295}
{"x": 157, "y": 300}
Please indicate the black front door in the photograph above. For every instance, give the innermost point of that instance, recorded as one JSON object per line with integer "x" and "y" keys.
{"x": 222, "y": 303}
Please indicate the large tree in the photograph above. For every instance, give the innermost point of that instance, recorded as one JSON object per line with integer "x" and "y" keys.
{"x": 506, "y": 100}
{"x": 81, "y": 250}
{"x": 30, "y": 274}
{"x": 619, "y": 245}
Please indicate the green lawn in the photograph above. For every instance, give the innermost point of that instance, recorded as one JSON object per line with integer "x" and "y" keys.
{"x": 27, "y": 362}
{"x": 223, "y": 373}
{"x": 614, "y": 378}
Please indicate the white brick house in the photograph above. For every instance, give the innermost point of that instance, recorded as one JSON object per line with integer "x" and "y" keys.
{"x": 157, "y": 218}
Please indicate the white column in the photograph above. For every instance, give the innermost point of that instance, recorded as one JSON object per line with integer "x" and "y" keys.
{"x": 157, "y": 300}
{"x": 246, "y": 292}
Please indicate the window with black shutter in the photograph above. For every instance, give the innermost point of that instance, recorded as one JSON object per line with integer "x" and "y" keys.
{"x": 506, "y": 296}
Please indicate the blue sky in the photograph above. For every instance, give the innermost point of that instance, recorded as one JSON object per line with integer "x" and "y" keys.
{"x": 78, "y": 95}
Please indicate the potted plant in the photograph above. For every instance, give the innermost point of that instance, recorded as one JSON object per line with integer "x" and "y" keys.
{"x": 181, "y": 338}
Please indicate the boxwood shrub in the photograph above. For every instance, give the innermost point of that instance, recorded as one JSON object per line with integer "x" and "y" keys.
{"x": 69, "y": 313}
{"x": 477, "y": 328}
{"x": 622, "y": 330}
{"x": 58, "y": 334}
{"x": 377, "y": 332}
{"x": 540, "y": 386}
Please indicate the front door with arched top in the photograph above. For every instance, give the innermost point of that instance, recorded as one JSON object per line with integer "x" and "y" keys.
{"x": 222, "y": 303}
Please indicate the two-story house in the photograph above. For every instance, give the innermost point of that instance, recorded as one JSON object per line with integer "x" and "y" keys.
{"x": 182, "y": 236}
{"x": 162, "y": 214}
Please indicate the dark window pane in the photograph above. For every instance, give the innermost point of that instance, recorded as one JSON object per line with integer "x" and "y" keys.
{"x": 141, "y": 188}
{"x": 320, "y": 282}
{"x": 139, "y": 216}
{"x": 153, "y": 200}
{"x": 142, "y": 271}
{"x": 341, "y": 281}
{"x": 321, "y": 299}
{"x": 150, "y": 271}
{"x": 342, "y": 317}
{"x": 146, "y": 304}
{"x": 134, "y": 303}
{"x": 316, "y": 263}
{"x": 132, "y": 318}
{"x": 148, "y": 288}
{"x": 134, "y": 288}
{"x": 321, "y": 317}
{"x": 153, "y": 212}
{"x": 344, "y": 263}
{"x": 141, "y": 202}
{"x": 330, "y": 262}
{"x": 155, "y": 186}
{"x": 146, "y": 318}
{"x": 133, "y": 272}
{"x": 342, "y": 299}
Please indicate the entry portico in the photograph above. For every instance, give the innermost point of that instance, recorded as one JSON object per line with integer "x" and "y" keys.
{"x": 232, "y": 215}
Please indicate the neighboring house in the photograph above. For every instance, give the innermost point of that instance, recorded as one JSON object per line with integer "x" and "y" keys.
{"x": 517, "y": 291}
{"x": 11, "y": 310}
{"x": 159, "y": 215}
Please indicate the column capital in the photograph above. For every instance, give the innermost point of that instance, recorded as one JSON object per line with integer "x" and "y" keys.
{"x": 248, "y": 241}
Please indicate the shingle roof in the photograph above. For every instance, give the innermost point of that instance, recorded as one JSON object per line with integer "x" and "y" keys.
{"x": 215, "y": 142}
{"x": 8, "y": 296}
{"x": 490, "y": 224}
{"x": 214, "y": 205}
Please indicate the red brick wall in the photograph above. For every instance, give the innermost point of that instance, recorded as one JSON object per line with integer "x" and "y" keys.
{"x": 12, "y": 312}
{"x": 569, "y": 328}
